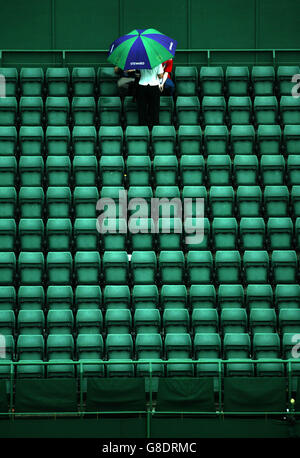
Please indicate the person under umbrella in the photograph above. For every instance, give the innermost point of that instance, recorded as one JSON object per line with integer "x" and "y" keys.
{"x": 148, "y": 96}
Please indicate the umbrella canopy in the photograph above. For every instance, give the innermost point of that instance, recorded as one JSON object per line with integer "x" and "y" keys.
{"x": 141, "y": 49}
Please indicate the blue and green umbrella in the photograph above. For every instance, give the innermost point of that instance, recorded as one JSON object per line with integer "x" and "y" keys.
{"x": 138, "y": 49}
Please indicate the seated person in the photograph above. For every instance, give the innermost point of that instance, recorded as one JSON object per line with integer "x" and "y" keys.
{"x": 127, "y": 82}
{"x": 167, "y": 87}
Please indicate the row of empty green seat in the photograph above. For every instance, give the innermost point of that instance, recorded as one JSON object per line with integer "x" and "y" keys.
{"x": 86, "y": 81}
{"x": 145, "y": 267}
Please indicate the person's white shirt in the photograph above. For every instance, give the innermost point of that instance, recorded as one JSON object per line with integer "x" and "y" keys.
{"x": 150, "y": 76}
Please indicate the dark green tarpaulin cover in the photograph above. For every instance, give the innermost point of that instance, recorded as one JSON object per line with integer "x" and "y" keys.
{"x": 3, "y": 397}
{"x": 259, "y": 394}
{"x": 46, "y": 395}
{"x": 185, "y": 395}
{"x": 115, "y": 394}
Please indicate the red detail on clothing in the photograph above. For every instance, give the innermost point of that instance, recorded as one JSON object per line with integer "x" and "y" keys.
{"x": 168, "y": 65}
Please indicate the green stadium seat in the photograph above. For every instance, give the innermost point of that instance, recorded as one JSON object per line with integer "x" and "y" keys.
{"x": 31, "y": 140}
{"x": 202, "y": 296}
{"x": 137, "y": 140}
{"x": 163, "y": 140}
{"x": 111, "y": 170}
{"x": 228, "y": 266}
{"x": 297, "y": 233}
{"x": 276, "y": 201}
{"x": 31, "y": 234}
{"x": 293, "y": 170}
{"x": 83, "y": 81}
{"x": 85, "y": 199}
{"x": 149, "y": 348}
{"x": 115, "y": 267}
{"x": 87, "y": 267}
{"x": 256, "y": 266}
{"x": 57, "y": 140}
{"x": 58, "y": 80}
{"x": 240, "y": 110}
{"x": 196, "y": 234}
{"x": 289, "y": 110}
{"x": 60, "y": 297}
{"x": 88, "y": 297}
{"x": 171, "y": 267}
{"x": 89, "y": 321}
{"x": 179, "y": 346}
{"x": 113, "y": 206}
{"x": 295, "y": 199}
{"x": 267, "y": 346}
{"x": 211, "y": 80}
{"x": 259, "y": 296}
{"x": 8, "y": 201}
{"x": 83, "y": 111}
{"x": 84, "y": 140}
{"x": 60, "y": 348}
{"x": 287, "y": 296}
{"x": 169, "y": 234}
{"x": 130, "y": 112}
{"x": 187, "y": 110}
{"x": 59, "y": 268}
{"x": 288, "y": 344}
{"x": 5, "y": 371}
{"x": 249, "y": 199}
{"x": 284, "y": 78}
{"x": 30, "y": 297}
{"x": 291, "y": 139}
{"x": 280, "y": 233}
{"x": 207, "y": 346}
{"x": 186, "y": 80}
{"x": 238, "y": 346}
{"x": 194, "y": 208}
{"x": 31, "y": 170}
{"x": 147, "y": 321}
{"x": 8, "y": 171}
{"x": 166, "y": 110}
{"x": 143, "y": 208}
{"x": 31, "y": 322}
{"x": 199, "y": 267}
{"x": 143, "y": 267}
{"x": 57, "y": 111}
{"x": 144, "y": 297}
{"x": 272, "y": 170}
{"x": 8, "y": 140}
{"x": 85, "y": 171}
{"x": 219, "y": 170}
{"x": 8, "y": 111}
{"x": 230, "y": 296}
{"x": 90, "y": 347}
{"x": 120, "y": 347}
{"x": 262, "y": 320}
{"x": 173, "y": 297}
{"x": 205, "y": 321}
{"x": 107, "y": 81}
{"x": 284, "y": 266}
{"x": 8, "y": 298}
{"x": 237, "y": 80}
{"x": 141, "y": 233}
{"x": 234, "y": 321}
{"x": 224, "y": 233}
{"x": 221, "y": 201}
{"x": 58, "y": 170}
{"x": 189, "y": 140}
{"x": 85, "y": 235}
{"x": 245, "y": 169}
{"x": 118, "y": 321}
{"x": 289, "y": 321}
{"x": 30, "y": 348}
{"x": 138, "y": 170}
{"x": 32, "y": 81}
{"x": 213, "y": 110}
{"x": 242, "y": 139}
{"x": 216, "y": 140}
{"x": 263, "y": 80}
{"x": 31, "y": 267}
{"x": 58, "y": 202}
{"x": 170, "y": 207}
{"x": 165, "y": 170}
{"x": 192, "y": 170}
{"x": 58, "y": 234}
{"x": 111, "y": 140}
{"x": 11, "y": 81}
{"x": 265, "y": 109}
{"x": 31, "y": 111}
{"x": 31, "y": 200}
{"x": 176, "y": 321}
{"x": 252, "y": 233}
{"x": 7, "y": 322}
